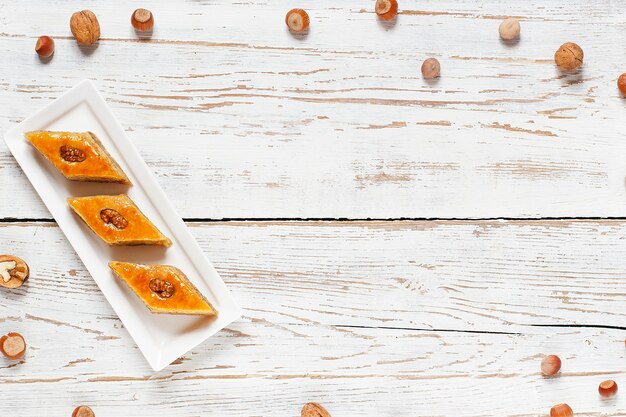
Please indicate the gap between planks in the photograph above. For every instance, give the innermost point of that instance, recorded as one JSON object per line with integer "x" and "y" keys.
{"x": 352, "y": 219}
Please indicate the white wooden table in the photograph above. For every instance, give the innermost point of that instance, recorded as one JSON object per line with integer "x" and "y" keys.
{"x": 401, "y": 248}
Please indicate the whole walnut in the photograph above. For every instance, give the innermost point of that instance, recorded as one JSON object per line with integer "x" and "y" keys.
{"x": 85, "y": 27}
{"x": 569, "y": 56}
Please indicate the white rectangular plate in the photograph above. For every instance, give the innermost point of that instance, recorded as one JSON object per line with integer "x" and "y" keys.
{"x": 162, "y": 338}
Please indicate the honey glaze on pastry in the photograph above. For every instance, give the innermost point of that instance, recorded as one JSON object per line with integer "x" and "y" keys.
{"x": 79, "y": 156}
{"x": 117, "y": 220}
{"x": 163, "y": 288}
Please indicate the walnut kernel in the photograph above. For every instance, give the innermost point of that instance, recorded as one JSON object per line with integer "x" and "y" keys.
{"x": 72, "y": 154}
{"x": 114, "y": 218}
{"x": 162, "y": 288}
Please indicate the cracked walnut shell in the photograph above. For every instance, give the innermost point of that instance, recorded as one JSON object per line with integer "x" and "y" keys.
{"x": 569, "y": 56}
{"x": 85, "y": 27}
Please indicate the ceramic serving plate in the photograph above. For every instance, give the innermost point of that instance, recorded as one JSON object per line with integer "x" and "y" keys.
{"x": 162, "y": 338}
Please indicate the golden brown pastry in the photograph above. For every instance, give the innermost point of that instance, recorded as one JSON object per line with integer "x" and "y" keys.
{"x": 163, "y": 288}
{"x": 117, "y": 220}
{"x": 79, "y": 156}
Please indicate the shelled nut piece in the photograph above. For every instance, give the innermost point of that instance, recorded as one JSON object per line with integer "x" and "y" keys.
{"x": 12, "y": 345}
{"x": 550, "y": 365}
{"x": 314, "y": 410}
{"x": 561, "y": 410}
{"x": 85, "y": 27}
{"x": 569, "y": 56}
{"x": 431, "y": 68}
{"x": 297, "y": 20}
{"x": 621, "y": 84}
{"x": 44, "y": 46}
{"x": 83, "y": 411}
{"x": 386, "y": 9}
{"x": 607, "y": 388}
{"x": 142, "y": 20}
{"x": 13, "y": 271}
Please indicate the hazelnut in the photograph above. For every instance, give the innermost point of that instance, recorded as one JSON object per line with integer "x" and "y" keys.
{"x": 44, "y": 46}
{"x": 314, "y": 410}
{"x": 13, "y": 271}
{"x": 621, "y": 83}
{"x": 13, "y": 345}
{"x": 85, "y": 27}
{"x": 569, "y": 56}
{"x": 386, "y": 9}
{"x": 550, "y": 365}
{"x": 83, "y": 411}
{"x": 431, "y": 68}
{"x": 561, "y": 410}
{"x": 142, "y": 20}
{"x": 297, "y": 20}
{"x": 607, "y": 388}
{"x": 509, "y": 29}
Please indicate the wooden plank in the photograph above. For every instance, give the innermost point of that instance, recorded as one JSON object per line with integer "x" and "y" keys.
{"x": 239, "y": 119}
{"x": 482, "y": 276}
{"x": 260, "y": 368}
{"x": 325, "y": 303}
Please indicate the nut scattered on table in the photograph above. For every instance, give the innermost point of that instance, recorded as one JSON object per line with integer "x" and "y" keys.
{"x": 85, "y": 27}
{"x": 386, "y": 9}
{"x": 83, "y": 411}
{"x": 13, "y": 271}
{"x": 431, "y": 68}
{"x": 13, "y": 345}
{"x": 44, "y": 46}
{"x": 550, "y": 365}
{"x": 561, "y": 410}
{"x": 297, "y": 20}
{"x": 142, "y": 20}
{"x": 569, "y": 56}
{"x": 621, "y": 83}
{"x": 114, "y": 218}
{"x": 607, "y": 388}
{"x": 314, "y": 410}
{"x": 509, "y": 29}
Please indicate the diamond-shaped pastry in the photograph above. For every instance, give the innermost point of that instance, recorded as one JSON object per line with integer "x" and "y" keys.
{"x": 163, "y": 288}
{"x": 79, "y": 156}
{"x": 117, "y": 220}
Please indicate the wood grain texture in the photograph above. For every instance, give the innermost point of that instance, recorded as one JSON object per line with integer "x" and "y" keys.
{"x": 239, "y": 119}
{"x": 369, "y": 318}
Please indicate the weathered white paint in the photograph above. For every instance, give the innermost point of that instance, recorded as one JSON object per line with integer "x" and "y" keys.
{"x": 238, "y": 118}
{"x": 304, "y": 287}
